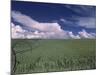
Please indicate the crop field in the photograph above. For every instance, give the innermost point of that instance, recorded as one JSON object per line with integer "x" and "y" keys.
{"x": 49, "y": 55}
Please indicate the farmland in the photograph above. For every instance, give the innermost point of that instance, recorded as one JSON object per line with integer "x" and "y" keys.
{"x": 50, "y": 55}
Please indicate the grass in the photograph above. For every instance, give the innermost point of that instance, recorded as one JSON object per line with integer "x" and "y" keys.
{"x": 33, "y": 56}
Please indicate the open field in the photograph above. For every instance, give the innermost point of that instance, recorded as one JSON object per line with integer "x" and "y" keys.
{"x": 35, "y": 55}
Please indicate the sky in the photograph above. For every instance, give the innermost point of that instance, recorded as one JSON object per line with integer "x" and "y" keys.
{"x": 52, "y": 21}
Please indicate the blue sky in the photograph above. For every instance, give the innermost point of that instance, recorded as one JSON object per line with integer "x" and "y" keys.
{"x": 69, "y": 18}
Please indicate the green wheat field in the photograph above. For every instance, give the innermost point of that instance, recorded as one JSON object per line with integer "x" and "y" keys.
{"x": 50, "y": 55}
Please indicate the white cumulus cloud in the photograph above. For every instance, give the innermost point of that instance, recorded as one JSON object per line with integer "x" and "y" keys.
{"x": 71, "y": 35}
{"x": 84, "y": 34}
{"x": 17, "y": 31}
{"x": 29, "y": 22}
{"x": 42, "y": 30}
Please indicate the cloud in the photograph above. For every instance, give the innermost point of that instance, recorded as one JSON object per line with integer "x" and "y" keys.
{"x": 23, "y": 19}
{"x": 87, "y": 22}
{"x": 84, "y": 34}
{"x": 20, "y": 33}
{"x": 71, "y": 35}
{"x": 42, "y": 30}
{"x": 46, "y": 30}
{"x": 84, "y": 16}
{"x": 29, "y": 22}
{"x": 83, "y": 10}
{"x": 17, "y": 31}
